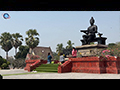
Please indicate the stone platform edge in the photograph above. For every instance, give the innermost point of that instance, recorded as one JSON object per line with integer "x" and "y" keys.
{"x": 92, "y": 46}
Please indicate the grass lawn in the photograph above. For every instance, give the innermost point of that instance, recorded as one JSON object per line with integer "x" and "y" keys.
{"x": 47, "y": 68}
{"x": 52, "y": 68}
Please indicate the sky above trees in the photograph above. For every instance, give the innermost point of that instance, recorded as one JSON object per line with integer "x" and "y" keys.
{"x": 55, "y": 27}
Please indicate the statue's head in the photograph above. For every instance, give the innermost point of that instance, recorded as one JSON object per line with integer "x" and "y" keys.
{"x": 92, "y": 21}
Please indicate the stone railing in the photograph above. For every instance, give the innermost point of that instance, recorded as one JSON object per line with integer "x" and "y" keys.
{"x": 65, "y": 67}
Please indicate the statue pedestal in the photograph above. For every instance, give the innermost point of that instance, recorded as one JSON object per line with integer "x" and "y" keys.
{"x": 91, "y": 50}
{"x": 98, "y": 65}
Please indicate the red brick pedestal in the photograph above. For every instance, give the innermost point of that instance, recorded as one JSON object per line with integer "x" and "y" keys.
{"x": 91, "y": 65}
{"x": 88, "y": 65}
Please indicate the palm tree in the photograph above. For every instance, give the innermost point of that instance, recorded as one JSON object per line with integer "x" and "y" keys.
{"x": 6, "y": 42}
{"x": 17, "y": 41}
{"x": 59, "y": 48}
{"x": 31, "y": 40}
{"x": 70, "y": 45}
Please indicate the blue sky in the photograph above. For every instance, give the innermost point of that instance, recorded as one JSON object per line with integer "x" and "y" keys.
{"x": 57, "y": 27}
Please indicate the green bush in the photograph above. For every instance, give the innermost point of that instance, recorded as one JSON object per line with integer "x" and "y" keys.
{"x": 8, "y": 63}
{"x": 19, "y": 63}
{"x": 4, "y": 65}
{"x": 1, "y": 61}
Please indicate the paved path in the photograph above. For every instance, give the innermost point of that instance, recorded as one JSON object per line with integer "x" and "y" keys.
{"x": 56, "y": 75}
{"x": 13, "y": 71}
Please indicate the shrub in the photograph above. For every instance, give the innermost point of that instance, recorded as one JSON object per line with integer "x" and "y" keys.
{"x": 19, "y": 63}
{"x": 1, "y": 61}
{"x": 8, "y": 63}
{"x": 4, "y": 65}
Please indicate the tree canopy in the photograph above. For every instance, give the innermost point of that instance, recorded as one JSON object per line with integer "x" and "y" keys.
{"x": 70, "y": 45}
{"x": 59, "y": 48}
{"x": 6, "y": 42}
{"x": 23, "y": 50}
{"x": 17, "y": 41}
{"x": 32, "y": 41}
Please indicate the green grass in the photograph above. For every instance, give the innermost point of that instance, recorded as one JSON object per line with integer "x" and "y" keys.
{"x": 22, "y": 73}
{"x": 16, "y": 74}
{"x": 52, "y": 68}
{"x": 47, "y": 68}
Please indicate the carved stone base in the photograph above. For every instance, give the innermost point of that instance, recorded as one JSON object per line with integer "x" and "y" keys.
{"x": 90, "y": 50}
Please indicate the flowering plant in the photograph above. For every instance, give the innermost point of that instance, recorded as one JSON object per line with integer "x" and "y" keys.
{"x": 114, "y": 51}
{"x": 106, "y": 53}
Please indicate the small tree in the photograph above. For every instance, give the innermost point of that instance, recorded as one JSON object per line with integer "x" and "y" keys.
{"x": 23, "y": 50}
{"x": 59, "y": 48}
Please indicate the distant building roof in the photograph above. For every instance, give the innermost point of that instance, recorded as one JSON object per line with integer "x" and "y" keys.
{"x": 43, "y": 52}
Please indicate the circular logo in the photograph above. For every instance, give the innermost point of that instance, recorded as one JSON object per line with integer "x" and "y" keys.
{"x": 6, "y": 16}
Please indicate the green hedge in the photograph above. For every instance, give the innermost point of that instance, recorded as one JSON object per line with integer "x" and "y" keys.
{"x": 4, "y": 63}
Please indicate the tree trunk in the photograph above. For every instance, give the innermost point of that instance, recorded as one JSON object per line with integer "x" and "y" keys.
{"x": 30, "y": 51}
{"x": 7, "y": 55}
{"x": 15, "y": 51}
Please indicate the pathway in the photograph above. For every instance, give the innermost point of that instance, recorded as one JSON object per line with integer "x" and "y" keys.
{"x": 56, "y": 75}
{"x": 13, "y": 71}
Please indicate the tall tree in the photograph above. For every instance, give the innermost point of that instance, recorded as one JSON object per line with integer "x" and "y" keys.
{"x": 32, "y": 41}
{"x": 17, "y": 41}
{"x": 70, "y": 45}
{"x": 59, "y": 48}
{"x": 6, "y": 42}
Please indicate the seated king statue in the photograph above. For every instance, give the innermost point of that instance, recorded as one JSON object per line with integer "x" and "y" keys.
{"x": 90, "y": 33}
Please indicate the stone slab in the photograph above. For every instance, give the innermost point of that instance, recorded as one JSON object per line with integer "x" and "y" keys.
{"x": 91, "y": 50}
{"x": 91, "y": 46}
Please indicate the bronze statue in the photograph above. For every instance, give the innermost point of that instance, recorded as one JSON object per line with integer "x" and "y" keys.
{"x": 90, "y": 33}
